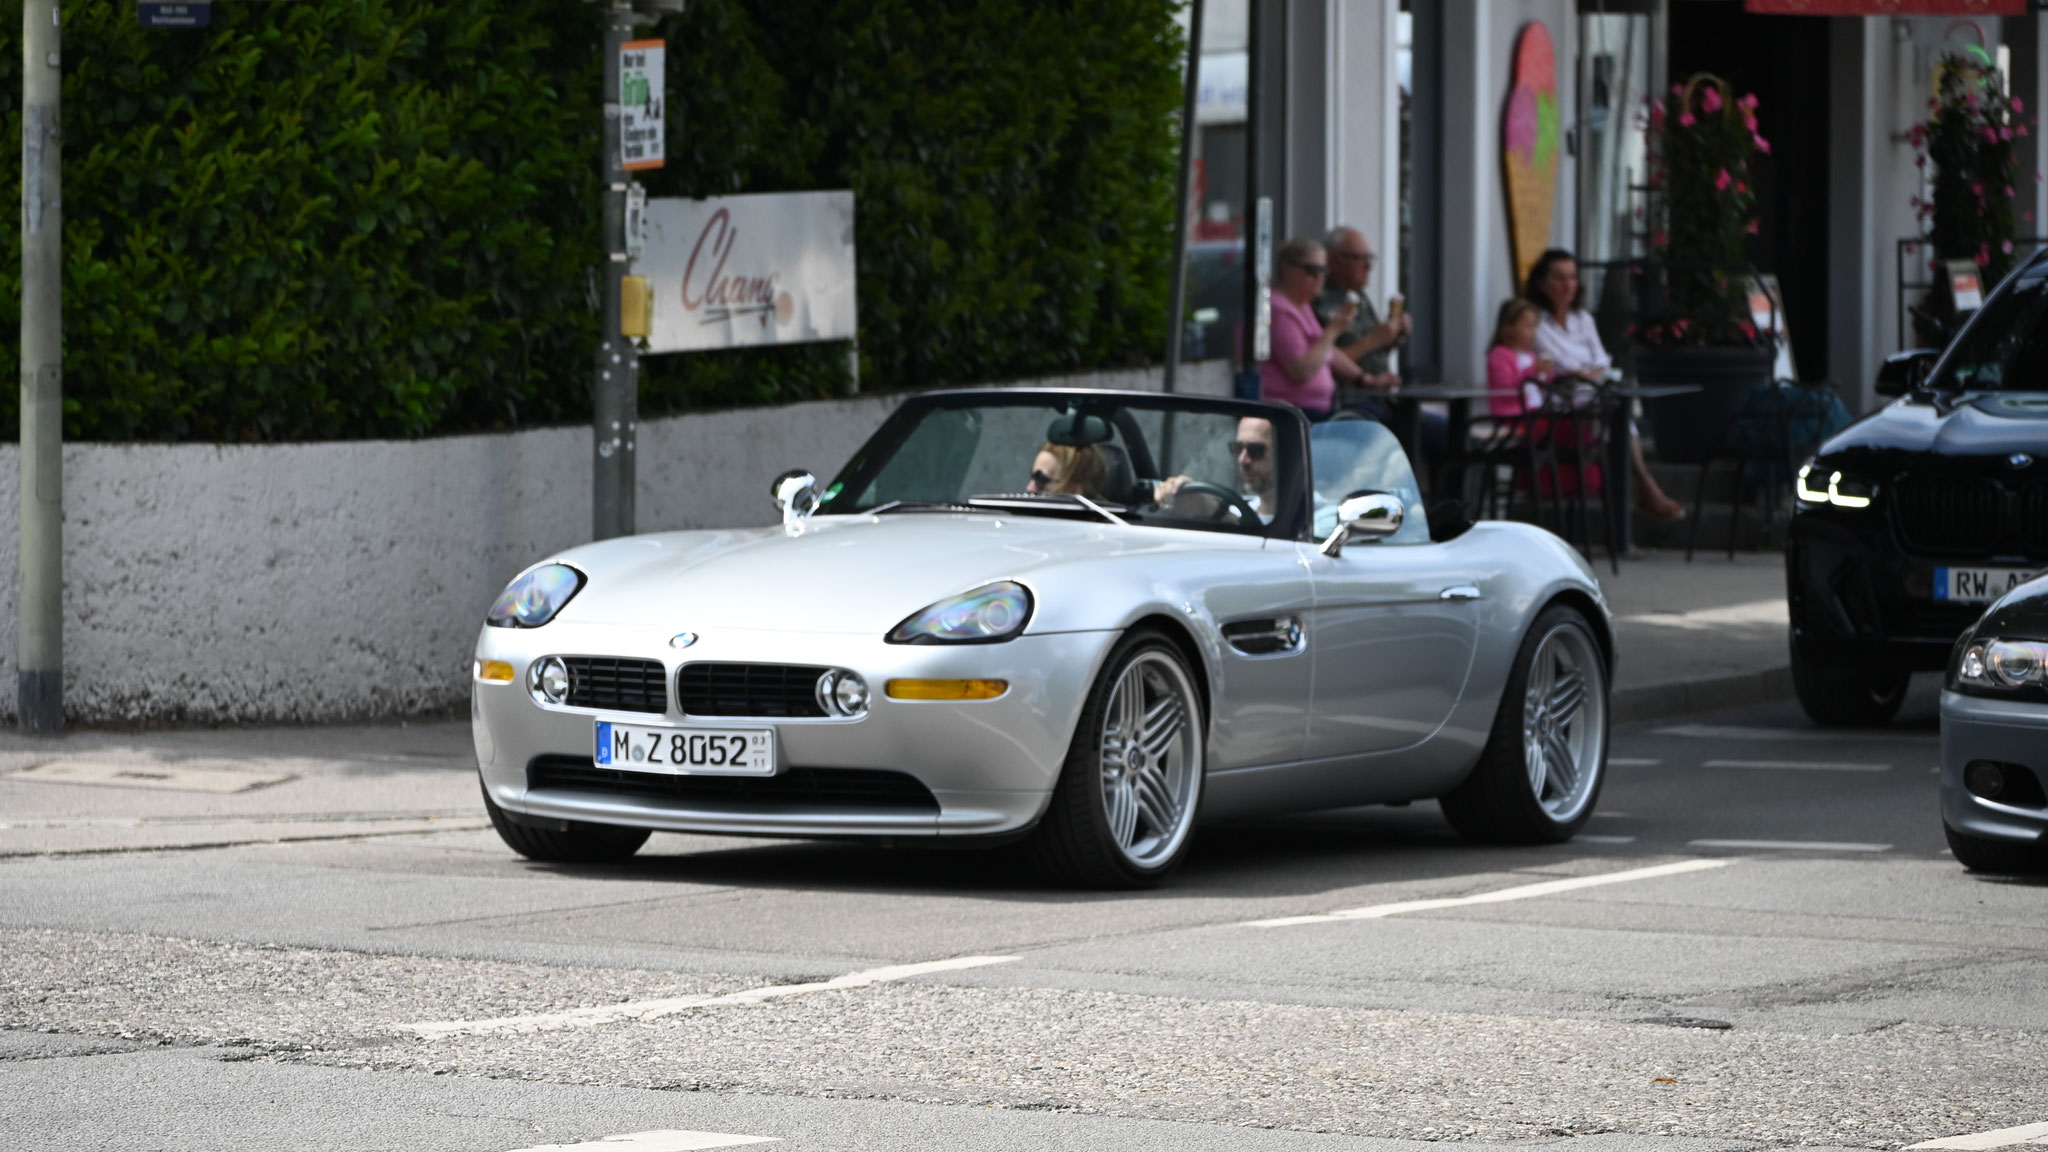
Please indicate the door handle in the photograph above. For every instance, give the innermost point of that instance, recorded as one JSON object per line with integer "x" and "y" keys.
{"x": 1459, "y": 592}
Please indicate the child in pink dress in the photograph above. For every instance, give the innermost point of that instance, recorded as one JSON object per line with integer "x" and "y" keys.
{"x": 1518, "y": 380}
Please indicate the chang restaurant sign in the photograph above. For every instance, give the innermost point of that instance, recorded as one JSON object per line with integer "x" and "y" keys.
{"x": 740, "y": 271}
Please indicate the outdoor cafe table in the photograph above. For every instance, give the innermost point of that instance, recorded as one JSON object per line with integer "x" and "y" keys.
{"x": 1615, "y": 403}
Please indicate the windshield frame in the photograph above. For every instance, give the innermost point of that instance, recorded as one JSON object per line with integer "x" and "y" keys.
{"x": 1941, "y": 379}
{"x": 1290, "y": 429}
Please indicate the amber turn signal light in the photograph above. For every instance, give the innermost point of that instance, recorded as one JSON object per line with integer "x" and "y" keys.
{"x": 496, "y": 671}
{"x": 946, "y": 689}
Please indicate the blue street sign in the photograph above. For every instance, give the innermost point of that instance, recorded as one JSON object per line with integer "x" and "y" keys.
{"x": 187, "y": 14}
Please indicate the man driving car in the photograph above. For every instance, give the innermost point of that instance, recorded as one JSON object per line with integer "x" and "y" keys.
{"x": 1257, "y": 479}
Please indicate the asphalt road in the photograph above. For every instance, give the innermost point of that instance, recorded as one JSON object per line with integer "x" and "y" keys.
{"x": 1760, "y": 942}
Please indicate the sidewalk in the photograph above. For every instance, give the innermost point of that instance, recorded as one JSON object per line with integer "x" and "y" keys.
{"x": 1690, "y": 637}
{"x": 1698, "y": 636}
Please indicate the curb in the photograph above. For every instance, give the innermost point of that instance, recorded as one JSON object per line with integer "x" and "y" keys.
{"x": 1662, "y": 701}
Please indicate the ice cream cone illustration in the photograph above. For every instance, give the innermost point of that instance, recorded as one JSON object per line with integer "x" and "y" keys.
{"x": 1529, "y": 138}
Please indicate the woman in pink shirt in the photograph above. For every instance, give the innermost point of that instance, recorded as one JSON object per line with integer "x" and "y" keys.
{"x": 1306, "y": 363}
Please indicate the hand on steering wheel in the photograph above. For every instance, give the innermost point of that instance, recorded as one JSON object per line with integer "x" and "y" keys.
{"x": 1226, "y": 501}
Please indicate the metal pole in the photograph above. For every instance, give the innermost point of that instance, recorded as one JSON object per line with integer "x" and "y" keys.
{"x": 39, "y": 693}
{"x": 1178, "y": 300}
{"x": 1254, "y": 106}
{"x": 615, "y": 408}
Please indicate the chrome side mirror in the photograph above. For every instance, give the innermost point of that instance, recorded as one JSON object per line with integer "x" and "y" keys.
{"x": 796, "y": 496}
{"x": 1366, "y": 515}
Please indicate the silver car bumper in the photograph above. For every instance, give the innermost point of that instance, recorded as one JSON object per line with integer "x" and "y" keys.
{"x": 989, "y": 764}
{"x": 2012, "y": 732}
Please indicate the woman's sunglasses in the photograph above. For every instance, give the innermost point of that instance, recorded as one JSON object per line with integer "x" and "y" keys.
{"x": 1041, "y": 479}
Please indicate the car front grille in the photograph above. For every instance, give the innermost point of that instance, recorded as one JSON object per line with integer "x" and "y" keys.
{"x": 1950, "y": 514}
{"x": 794, "y": 790}
{"x": 2034, "y": 517}
{"x": 623, "y": 685}
{"x": 789, "y": 690}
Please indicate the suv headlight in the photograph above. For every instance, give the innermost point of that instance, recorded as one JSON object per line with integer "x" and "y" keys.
{"x": 1827, "y": 486}
{"x": 2004, "y": 665}
{"x": 535, "y": 596}
{"x": 991, "y": 613}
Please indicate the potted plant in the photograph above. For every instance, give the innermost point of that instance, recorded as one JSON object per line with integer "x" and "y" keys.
{"x": 1968, "y": 139}
{"x": 1698, "y": 331}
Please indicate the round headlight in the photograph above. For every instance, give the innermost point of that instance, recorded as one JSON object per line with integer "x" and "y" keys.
{"x": 2014, "y": 665}
{"x": 548, "y": 680}
{"x": 842, "y": 693}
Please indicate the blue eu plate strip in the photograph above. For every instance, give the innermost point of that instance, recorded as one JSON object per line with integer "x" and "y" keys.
{"x": 604, "y": 742}
{"x": 1941, "y": 583}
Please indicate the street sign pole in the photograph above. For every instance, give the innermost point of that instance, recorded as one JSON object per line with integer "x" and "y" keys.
{"x": 39, "y": 691}
{"x": 615, "y": 412}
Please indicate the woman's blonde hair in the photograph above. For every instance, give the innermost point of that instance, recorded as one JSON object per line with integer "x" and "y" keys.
{"x": 1083, "y": 471}
{"x": 1511, "y": 311}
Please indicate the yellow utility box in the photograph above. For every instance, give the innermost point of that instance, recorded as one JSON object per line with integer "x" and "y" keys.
{"x": 636, "y": 307}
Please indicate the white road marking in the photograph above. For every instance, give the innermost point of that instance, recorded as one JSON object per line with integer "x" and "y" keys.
{"x": 1582, "y": 838}
{"x": 1498, "y": 896}
{"x": 1747, "y": 732}
{"x": 1771, "y": 612}
{"x": 664, "y": 1140}
{"x": 1997, "y": 1138}
{"x": 1793, "y": 845}
{"x": 149, "y": 774}
{"x": 654, "y": 1009}
{"x": 1802, "y": 765}
{"x": 1632, "y": 762}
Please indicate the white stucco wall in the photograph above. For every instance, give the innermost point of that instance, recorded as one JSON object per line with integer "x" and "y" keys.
{"x": 209, "y": 583}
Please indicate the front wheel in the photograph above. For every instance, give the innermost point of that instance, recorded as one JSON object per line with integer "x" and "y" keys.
{"x": 1124, "y": 809}
{"x": 1848, "y": 695}
{"x": 578, "y": 843}
{"x": 1540, "y": 774}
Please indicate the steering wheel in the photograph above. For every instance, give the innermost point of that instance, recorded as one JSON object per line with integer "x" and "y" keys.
{"x": 1226, "y": 501}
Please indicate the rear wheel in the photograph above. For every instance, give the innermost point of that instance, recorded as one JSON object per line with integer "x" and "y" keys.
{"x": 575, "y": 842}
{"x": 1848, "y": 695}
{"x": 1980, "y": 854}
{"x": 1124, "y": 809}
{"x": 1540, "y": 774}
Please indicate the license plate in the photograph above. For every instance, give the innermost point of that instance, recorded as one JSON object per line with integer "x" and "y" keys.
{"x": 1977, "y": 585}
{"x": 686, "y": 751}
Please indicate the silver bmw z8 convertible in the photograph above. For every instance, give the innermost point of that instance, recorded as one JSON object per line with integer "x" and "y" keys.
{"x": 1084, "y": 620}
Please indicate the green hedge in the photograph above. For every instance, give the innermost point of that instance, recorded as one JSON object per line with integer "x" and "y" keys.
{"x": 363, "y": 218}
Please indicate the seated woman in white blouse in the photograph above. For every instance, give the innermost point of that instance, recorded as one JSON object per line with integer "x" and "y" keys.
{"x": 1566, "y": 337}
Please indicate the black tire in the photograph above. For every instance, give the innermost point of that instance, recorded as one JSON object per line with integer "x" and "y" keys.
{"x": 1074, "y": 841}
{"x": 577, "y": 843}
{"x": 1849, "y": 695}
{"x": 2001, "y": 857}
{"x": 1501, "y": 802}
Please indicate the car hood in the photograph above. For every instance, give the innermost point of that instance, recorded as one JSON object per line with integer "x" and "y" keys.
{"x": 844, "y": 574}
{"x": 1982, "y": 425}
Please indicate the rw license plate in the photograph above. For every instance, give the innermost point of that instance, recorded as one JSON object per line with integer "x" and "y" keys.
{"x": 1977, "y": 585}
{"x": 686, "y": 751}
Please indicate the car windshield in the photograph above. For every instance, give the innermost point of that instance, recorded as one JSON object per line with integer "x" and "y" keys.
{"x": 1351, "y": 456}
{"x": 1182, "y": 462}
{"x": 2006, "y": 349}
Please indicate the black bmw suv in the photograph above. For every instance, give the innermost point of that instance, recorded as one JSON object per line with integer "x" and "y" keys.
{"x": 1910, "y": 521}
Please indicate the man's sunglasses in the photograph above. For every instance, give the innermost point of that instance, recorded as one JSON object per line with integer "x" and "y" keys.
{"x": 1254, "y": 449}
{"x": 1041, "y": 479}
{"x": 1313, "y": 269}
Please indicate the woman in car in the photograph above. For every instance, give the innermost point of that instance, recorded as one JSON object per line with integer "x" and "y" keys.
{"x": 1067, "y": 470}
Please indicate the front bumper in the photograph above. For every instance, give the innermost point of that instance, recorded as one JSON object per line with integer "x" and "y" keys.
{"x": 990, "y": 765}
{"x": 2011, "y": 732}
{"x": 1855, "y": 597}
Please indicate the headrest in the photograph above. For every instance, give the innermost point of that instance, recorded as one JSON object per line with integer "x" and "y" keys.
{"x": 1079, "y": 429}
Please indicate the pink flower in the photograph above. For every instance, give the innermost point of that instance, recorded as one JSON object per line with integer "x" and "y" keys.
{"x": 1657, "y": 115}
{"x": 1762, "y": 145}
{"x": 1657, "y": 239}
{"x": 2017, "y": 106}
{"x": 1919, "y": 161}
{"x": 1711, "y": 101}
{"x": 2005, "y": 133}
{"x": 2027, "y": 216}
{"x": 1748, "y": 102}
{"x": 1751, "y": 229}
{"x": 2020, "y": 131}
{"x": 2008, "y": 247}
{"x": 2008, "y": 191}
{"x": 1741, "y": 188}
{"x": 1678, "y": 89}
{"x": 1722, "y": 180}
{"x": 1970, "y": 98}
{"x": 1983, "y": 255}
{"x": 1686, "y": 119}
{"x": 1990, "y": 134}
{"x": 1978, "y": 188}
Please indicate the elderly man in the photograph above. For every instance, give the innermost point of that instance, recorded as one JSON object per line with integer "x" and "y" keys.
{"x": 1366, "y": 339}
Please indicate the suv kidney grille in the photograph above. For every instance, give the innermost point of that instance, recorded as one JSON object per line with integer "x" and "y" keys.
{"x": 1949, "y": 514}
{"x": 625, "y": 685}
{"x": 749, "y": 689}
